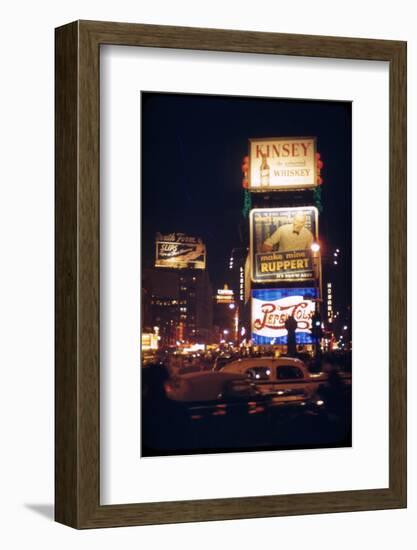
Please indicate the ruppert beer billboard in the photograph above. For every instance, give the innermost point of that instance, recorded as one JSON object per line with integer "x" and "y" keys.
{"x": 282, "y": 163}
{"x": 280, "y": 244}
{"x": 272, "y": 307}
{"x": 180, "y": 251}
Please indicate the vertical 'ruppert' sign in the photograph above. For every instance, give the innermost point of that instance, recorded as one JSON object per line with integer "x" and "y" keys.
{"x": 282, "y": 163}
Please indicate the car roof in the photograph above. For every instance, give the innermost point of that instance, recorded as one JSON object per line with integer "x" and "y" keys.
{"x": 277, "y": 360}
{"x": 241, "y": 364}
{"x": 208, "y": 376}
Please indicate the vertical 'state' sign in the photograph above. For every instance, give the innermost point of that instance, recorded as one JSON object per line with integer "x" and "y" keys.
{"x": 282, "y": 163}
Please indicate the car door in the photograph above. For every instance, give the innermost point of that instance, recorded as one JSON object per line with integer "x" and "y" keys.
{"x": 262, "y": 376}
{"x": 291, "y": 378}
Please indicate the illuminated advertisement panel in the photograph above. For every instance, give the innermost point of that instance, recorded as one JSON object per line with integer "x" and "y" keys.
{"x": 177, "y": 250}
{"x": 149, "y": 341}
{"x": 272, "y": 307}
{"x": 282, "y": 163}
{"x": 280, "y": 244}
{"x": 225, "y": 296}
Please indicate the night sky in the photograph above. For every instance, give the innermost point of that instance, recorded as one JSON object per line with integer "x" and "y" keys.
{"x": 192, "y": 150}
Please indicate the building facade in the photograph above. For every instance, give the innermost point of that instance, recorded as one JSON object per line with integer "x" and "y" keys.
{"x": 181, "y": 305}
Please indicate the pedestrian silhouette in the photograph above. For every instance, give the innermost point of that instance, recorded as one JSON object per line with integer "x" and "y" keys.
{"x": 291, "y": 326}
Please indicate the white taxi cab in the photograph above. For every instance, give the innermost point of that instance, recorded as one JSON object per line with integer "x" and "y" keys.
{"x": 277, "y": 375}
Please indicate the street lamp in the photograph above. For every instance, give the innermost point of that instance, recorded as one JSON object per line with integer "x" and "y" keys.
{"x": 315, "y": 249}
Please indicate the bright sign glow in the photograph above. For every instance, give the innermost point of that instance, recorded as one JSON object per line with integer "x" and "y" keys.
{"x": 194, "y": 348}
{"x": 177, "y": 250}
{"x": 272, "y": 307}
{"x": 149, "y": 341}
{"x": 280, "y": 244}
{"x": 225, "y": 295}
{"x": 282, "y": 163}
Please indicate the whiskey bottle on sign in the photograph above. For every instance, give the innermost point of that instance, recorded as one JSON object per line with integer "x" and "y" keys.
{"x": 264, "y": 172}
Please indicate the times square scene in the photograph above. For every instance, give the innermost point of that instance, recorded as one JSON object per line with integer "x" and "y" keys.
{"x": 246, "y": 274}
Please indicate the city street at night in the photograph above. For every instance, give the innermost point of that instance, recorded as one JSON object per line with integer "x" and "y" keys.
{"x": 246, "y": 321}
{"x": 195, "y": 409}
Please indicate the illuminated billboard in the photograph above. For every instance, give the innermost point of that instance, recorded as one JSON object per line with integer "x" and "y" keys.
{"x": 280, "y": 244}
{"x": 282, "y": 163}
{"x": 225, "y": 295}
{"x": 149, "y": 341}
{"x": 179, "y": 251}
{"x": 272, "y": 307}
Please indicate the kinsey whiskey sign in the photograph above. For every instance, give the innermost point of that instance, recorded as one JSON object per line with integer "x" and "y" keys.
{"x": 282, "y": 163}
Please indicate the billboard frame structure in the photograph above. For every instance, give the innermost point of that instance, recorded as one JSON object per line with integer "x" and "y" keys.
{"x": 316, "y": 256}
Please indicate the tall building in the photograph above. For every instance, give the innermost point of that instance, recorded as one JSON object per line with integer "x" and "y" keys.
{"x": 180, "y": 290}
{"x": 181, "y": 304}
{"x": 196, "y": 313}
{"x": 239, "y": 281}
{"x": 237, "y": 262}
{"x": 337, "y": 314}
{"x": 165, "y": 316}
{"x": 160, "y": 304}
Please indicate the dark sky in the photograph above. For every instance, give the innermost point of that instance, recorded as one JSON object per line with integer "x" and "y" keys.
{"x": 192, "y": 149}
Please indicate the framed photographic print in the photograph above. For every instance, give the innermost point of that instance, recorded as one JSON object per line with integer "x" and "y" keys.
{"x": 230, "y": 274}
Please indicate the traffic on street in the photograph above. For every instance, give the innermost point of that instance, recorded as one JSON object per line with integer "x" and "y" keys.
{"x": 202, "y": 405}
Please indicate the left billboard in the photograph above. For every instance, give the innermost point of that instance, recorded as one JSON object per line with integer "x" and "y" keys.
{"x": 179, "y": 251}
